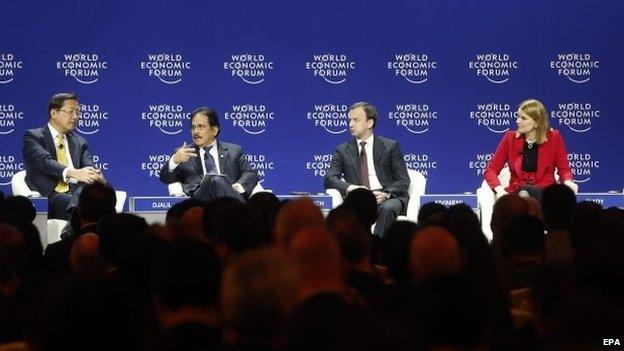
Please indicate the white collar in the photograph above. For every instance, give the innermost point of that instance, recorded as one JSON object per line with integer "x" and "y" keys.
{"x": 369, "y": 140}
{"x": 53, "y": 131}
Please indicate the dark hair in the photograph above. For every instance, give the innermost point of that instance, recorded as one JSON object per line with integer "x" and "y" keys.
{"x": 353, "y": 238}
{"x": 363, "y": 204}
{"x": 369, "y": 109}
{"x": 213, "y": 119}
{"x": 57, "y": 101}
{"x": 21, "y": 206}
{"x": 96, "y": 201}
{"x": 239, "y": 226}
{"x": 558, "y": 203}
{"x": 524, "y": 235}
{"x": 187, "y": 272}
{"x": 431, "y": 212}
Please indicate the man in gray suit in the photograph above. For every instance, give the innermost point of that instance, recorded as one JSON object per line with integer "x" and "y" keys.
{"x": 57, "y": 160}
{"x": 210, "y": 168}
{"x": 372, "y": 162}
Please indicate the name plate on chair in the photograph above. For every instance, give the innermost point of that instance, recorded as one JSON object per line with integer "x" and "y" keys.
{"x": 154, "y": 203}
{"x": 324, "y": 202}
{"x": 450, "y": 199}
{"x": 604, "y": 199}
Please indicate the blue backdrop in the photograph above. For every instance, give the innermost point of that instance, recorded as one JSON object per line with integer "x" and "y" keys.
{"x": 446, "y": 77}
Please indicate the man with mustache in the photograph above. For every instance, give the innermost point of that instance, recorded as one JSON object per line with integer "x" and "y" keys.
{"x": 58, "y": 162}
{"x": 210, "y": 169}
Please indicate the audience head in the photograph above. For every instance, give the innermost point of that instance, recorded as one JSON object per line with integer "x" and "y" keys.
{"x": 259, "y": 290}
{"x": 316, "y": 256}
{"x": 295, "y": 216}
{"x": 21, "y": 206}
{"x": 396, "y": 248}
{"x": 506, "y": 208}
{"x": 558, "y": 203}
{"x": 187, "y": 273}
{"x": 431, "y": 213}
{"x": 116, "y": 228}
{"x": 96, "y": 201}
{"x": 524, "y": 235}
{"x": 238, "y": 228}
{"x": 363, "y": 204}
{"x": 434, "y": 251}
{"x": 84, "y": 259}
{"x": 176, "y": 211}
{"x": 353, "y": 239}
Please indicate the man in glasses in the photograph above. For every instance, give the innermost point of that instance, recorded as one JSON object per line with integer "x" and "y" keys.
{"x": 57, "y": 160}
{"x": 209, "y": 169}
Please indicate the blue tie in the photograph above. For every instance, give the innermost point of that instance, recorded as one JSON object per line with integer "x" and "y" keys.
{"x": 209, "y": 161}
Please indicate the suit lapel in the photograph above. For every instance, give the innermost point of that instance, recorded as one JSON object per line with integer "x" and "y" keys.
{"x": 49, "y": 143}
{"x": 518, "y": 151}
{"x": 197, "y": 162}
{"x": 377, "y": 155}
{"x": 541, "y": 164}
{"x": 353, "y": 155}
{"x": 223, "y": 156}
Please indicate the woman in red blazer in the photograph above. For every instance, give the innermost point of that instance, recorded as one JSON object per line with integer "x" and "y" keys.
{"x": 532, "y": 154}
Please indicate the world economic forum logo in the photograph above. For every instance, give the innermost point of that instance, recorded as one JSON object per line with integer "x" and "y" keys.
{"x": 154, "y": 163}
{"x": 100, "y": 163}
{"x": 92, "y": 118}
{"x": 333, "y": 68}
{"x": 479, "y": 163}
{"x": 10, "y": 117}
{"x": 577, "y": 116}
{"x": 333, "y": 118}
{"x": 422, "y": 163}
{"x": 8, "y": 167}
{"x": 583, "y": 165}
{"x": 168, "y": 68}
{"x": 496, "y": 117}
{"x": 84, "y": 68}
{"x": 415, "y": 118}
{"x": 318, "y": 164}
{"x": 169, "y": 119}
{"x": 250, "y": 68}
{"x": 252, "y": 118}
{"x": 495, "y": 67}
{"x": 262, "y": 164}
{"x": 577, "y": 67}
{"x": 9, "y": 65}
{"x": 414, "y": 68}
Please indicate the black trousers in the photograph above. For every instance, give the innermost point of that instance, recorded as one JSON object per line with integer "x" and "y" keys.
{"x": 61, "y": 205}
{"x": 215, "y": 187}
{"x": 387, "y": 213}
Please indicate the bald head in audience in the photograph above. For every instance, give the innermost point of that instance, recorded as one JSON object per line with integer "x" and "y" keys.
{"x": 434, "y": 251}
{"x": 293, "y": 217}
{"x": 505, "y": 209}
{"x": 85, "y": 259}
{"x": 316, "y": 256}
{"x": 192, "y": 221}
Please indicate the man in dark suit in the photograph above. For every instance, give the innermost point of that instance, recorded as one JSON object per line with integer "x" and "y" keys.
{"x": 57, "y": 160}
{"x": 210, "y": 168}
{"x": 372, "y": 162}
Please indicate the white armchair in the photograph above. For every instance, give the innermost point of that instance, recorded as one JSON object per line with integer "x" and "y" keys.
{"x": 54, "y": 226}
{"x": 417, "y": 187}
{"x": 486, "y": 199}
{"x": 175, "y": 189}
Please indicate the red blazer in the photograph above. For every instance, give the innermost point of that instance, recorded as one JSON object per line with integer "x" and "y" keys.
{"x": 551, "y": 154}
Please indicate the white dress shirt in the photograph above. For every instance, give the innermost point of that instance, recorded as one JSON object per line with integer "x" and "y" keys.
{"x": 213, "y": 151}
{"x": 372, "y": 175}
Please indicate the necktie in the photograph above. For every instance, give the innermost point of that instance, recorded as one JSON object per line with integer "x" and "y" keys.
{"x": 209, "y": 161}
{"x": 61, "y": 157}
{"x": 364, "y": 165}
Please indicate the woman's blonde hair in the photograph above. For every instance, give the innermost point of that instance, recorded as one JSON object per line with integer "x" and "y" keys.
{"x": 538, "y": 113}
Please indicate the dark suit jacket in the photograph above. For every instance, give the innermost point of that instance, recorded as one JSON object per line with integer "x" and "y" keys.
{"x": 43, "y": 172}
{"x": 550, "y": 154}
{"x": 232, "y": 163}
{"x": 389, "y": 166}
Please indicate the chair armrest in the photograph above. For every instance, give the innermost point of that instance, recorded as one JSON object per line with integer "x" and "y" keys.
{"x": 336, "y": 197}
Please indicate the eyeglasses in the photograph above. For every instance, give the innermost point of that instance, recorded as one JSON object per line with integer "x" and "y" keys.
{"x": 200, "y": 127}
{"x": 77, "y": 113}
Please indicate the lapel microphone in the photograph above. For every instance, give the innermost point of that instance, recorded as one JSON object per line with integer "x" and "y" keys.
{"x": 61, "y": 146}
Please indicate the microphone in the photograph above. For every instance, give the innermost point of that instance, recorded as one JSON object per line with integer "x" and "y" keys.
{"x": 61, "y": 146}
